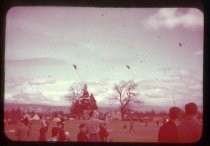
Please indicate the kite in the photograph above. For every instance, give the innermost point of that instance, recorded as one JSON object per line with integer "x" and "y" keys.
{"x": 180, "y": 44}
{"x": 75, "y": 67}
{"x": 128, "y": 66}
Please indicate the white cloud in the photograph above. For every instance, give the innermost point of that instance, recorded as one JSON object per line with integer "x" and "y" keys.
{"x": 36, "y": 61}
{"x": 40, "y": 81}
{"x": 184, "y": 85}
{"x": 172, "y": 17}
{"x": 198, "y": 53}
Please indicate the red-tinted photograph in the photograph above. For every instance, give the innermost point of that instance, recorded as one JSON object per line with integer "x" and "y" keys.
{"x": 90, "y": 74}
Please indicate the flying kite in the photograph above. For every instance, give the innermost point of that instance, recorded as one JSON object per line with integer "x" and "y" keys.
{"x": 75, "y": 66}
{"x": 128, "y": 66}
{"x": 180, "y": 44}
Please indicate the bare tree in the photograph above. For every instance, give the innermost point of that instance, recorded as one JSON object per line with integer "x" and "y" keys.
{"x": 125, "y": 94}
{"x": 75, "y": 92}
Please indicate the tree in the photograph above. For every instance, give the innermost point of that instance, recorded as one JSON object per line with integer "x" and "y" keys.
{"x": 80, "y": 100}
{"x": 125, "y": 95}
{"x": 75, "y": 92}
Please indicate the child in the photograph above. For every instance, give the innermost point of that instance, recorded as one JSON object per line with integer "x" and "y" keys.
{"x": 42, "y": 135}
{"x": 55, "y": 132}
{"x": 103, "y": 133}
{"x": 61, "y": 135}
{"x": 81, "y": 136}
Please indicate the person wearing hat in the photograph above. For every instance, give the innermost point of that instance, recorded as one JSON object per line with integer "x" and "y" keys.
{"x": 82, "y": 135}
{"x": 168, "y": 132}
{"x": 189, "y": 129}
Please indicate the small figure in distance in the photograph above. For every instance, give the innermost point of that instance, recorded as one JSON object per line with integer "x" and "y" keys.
{"x": 132, "y": 126}
{"x": 157, "y": 122}
{"x": 82, "y": 135}
{"x": 168, "y": 132}
{"x": 189, "y": 129}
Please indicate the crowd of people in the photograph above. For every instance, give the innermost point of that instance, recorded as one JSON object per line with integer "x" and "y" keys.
{"x": 176, "y": 130}
{"x": 93, "y": 130}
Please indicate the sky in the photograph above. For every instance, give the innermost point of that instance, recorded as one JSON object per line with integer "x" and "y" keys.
{"x": 162, "y": 46}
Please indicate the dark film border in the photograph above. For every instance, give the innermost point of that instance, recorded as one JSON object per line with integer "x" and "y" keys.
{"x": 5, "y": 5}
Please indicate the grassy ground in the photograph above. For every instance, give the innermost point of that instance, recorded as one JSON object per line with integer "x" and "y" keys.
{"x": 117, "y": 132}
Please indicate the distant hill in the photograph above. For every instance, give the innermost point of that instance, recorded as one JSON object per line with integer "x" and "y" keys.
{"x": 35, "y": 107}
{"x": 45, "y": 108}
{"x": 52, "y": 108}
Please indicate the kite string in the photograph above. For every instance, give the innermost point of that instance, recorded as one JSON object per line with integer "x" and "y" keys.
{"x": 158, "y": 82}
{"x": 76, "y": 70}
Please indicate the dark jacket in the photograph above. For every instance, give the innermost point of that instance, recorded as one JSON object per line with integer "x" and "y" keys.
{"x": 82, "y": 137}
{"x": 168, "y": 133}
{"x": 189, "y": 130}
{"x": 103, "y": 133}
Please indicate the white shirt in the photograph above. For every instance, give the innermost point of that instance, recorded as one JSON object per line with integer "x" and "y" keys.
{"x": 92, "y": 125}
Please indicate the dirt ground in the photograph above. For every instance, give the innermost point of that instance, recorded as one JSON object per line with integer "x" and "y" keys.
{"x": 116, "y": 129}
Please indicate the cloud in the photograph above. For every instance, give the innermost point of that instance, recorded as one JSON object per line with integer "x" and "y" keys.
{"x": 11, "y": 82}
{"x": 198, "y": 53}
{"x": 35, "y": 62}
{"x": 182, "y": 84}
{"x": 173, "y": 17}
{"x": 38, "y": 93}
{"x": 41, "y": 81}
{"x": 23, "y": 97}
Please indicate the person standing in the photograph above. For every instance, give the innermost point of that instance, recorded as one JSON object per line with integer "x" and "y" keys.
{"x": 22, "y": 131}
{"x": 132, "y": 126}
{"x": 103, "y": 133}
{"x": 61, "y": 135}
{"x": 82, "y": 135}
{"x": 54, "y": 136}
{"x": 189, "y": 129}
{"x": 92, "y": 126}
{"x": 157, "y": 122}
{"x": 168, "y": 132}
{"x": 42, "y": 133}
{"x": 43, "y": 129}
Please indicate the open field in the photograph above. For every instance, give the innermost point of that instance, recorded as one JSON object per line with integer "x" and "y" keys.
{"x": 117, "y": 132}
